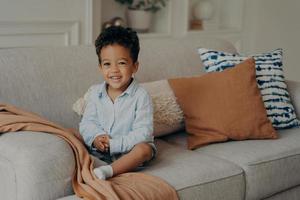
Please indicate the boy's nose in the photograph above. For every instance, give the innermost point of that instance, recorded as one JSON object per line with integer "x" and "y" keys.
{"x": 115, "y": 68}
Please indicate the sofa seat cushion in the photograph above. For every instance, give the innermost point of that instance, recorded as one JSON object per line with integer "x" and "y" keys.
{"x": 194, "y": 175}
{"x": 291, "y": 194}
{"x": 270, "y": 166}
{"x": 197, "y": 176}
{"x": 35, "y": 166}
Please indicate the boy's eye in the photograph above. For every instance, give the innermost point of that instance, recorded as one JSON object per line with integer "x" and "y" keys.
{"x": 106, "y": 64}
{"x": 122, "y": 63}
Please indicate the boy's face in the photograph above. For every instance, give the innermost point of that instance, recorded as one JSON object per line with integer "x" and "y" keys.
{"x": 117, "y": 67}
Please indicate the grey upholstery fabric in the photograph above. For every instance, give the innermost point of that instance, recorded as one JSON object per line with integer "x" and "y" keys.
{"x": 8, "y": 189}
{"x": 197, "y": 176}
{"x": 71, "y": 197}
{"x": 270, "y": 166}
{"x": 291, "y": 194}
{"x": 167, "y": 58}
{"x": 46, "y": 80}
{"x": 35, "y": 166}
{"x": 294, "y": 90}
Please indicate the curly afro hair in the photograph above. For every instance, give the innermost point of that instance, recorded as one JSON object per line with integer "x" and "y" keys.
{"x": 125, "y": 37}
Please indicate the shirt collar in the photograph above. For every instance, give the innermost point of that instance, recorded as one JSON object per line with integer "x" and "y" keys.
{"x": 130, "y": 89}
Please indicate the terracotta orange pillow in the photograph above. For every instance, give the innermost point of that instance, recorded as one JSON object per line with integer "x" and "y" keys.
{"x": 220, "y": 106}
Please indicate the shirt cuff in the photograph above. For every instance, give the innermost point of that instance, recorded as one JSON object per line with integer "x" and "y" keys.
{"x": 92, "y": 140}
{"x": 114, "y": 146}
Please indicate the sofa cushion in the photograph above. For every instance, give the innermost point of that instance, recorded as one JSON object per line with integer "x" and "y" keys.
{"x": 270, "y": 166}
{"x": 193, "y": 175}
{"x": 294, "y": 89}
{"x": 197, "y": 176}
{"x": 35, "y": 166}
{"x": 8, "y": 189}
{"x": 53, "y": 79}
{"x": 223, "y": 105}
{"x": 71, "y": 197}
{"x": 270, "y": 80}
{"x": 291, "y": 194}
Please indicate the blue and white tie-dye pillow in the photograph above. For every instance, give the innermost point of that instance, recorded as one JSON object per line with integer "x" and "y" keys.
{"x": 270, "y": 80}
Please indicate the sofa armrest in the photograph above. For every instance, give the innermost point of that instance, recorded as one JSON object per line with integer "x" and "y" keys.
{"x": 294, "y": 90}
{"x": 35, "y": 166}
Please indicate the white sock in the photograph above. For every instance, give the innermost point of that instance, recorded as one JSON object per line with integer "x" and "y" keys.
{"x": 104, "y": 172}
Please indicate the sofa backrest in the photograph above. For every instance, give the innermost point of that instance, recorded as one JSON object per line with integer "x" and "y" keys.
{"x": 48, "y": 80}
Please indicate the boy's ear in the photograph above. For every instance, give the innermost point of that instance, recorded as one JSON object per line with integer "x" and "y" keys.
{"x": 135, "y": 66}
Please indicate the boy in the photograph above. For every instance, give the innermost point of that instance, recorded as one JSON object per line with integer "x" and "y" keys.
{"x": 117, "y": 124}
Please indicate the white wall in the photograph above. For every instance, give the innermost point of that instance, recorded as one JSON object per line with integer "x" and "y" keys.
{"x": 44, "y": 22}
{"x": 271, "y": 24}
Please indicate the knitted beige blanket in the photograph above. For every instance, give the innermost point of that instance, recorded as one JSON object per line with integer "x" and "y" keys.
{"x": 133, "y": 186}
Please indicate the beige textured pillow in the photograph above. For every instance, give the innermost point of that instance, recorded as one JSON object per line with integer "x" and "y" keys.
{"x": 167, "y": 115}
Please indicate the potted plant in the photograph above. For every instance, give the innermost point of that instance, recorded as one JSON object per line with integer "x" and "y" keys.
{"x": 139, "y": 12}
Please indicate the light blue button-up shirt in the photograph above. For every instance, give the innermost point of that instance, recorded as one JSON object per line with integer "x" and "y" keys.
{"x": 128, "y": 120}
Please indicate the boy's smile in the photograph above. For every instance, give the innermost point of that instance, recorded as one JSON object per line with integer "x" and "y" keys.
{"x": 117, "y": 67}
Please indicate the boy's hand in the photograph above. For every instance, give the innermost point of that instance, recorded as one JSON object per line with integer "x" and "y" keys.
{"x": 101, "y": 142}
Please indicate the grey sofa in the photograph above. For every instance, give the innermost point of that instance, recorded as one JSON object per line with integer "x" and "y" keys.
{"x": 48, "y": 80}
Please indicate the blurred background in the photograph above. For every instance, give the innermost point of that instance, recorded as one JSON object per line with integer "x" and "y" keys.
{"x": 253, "y": 26}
